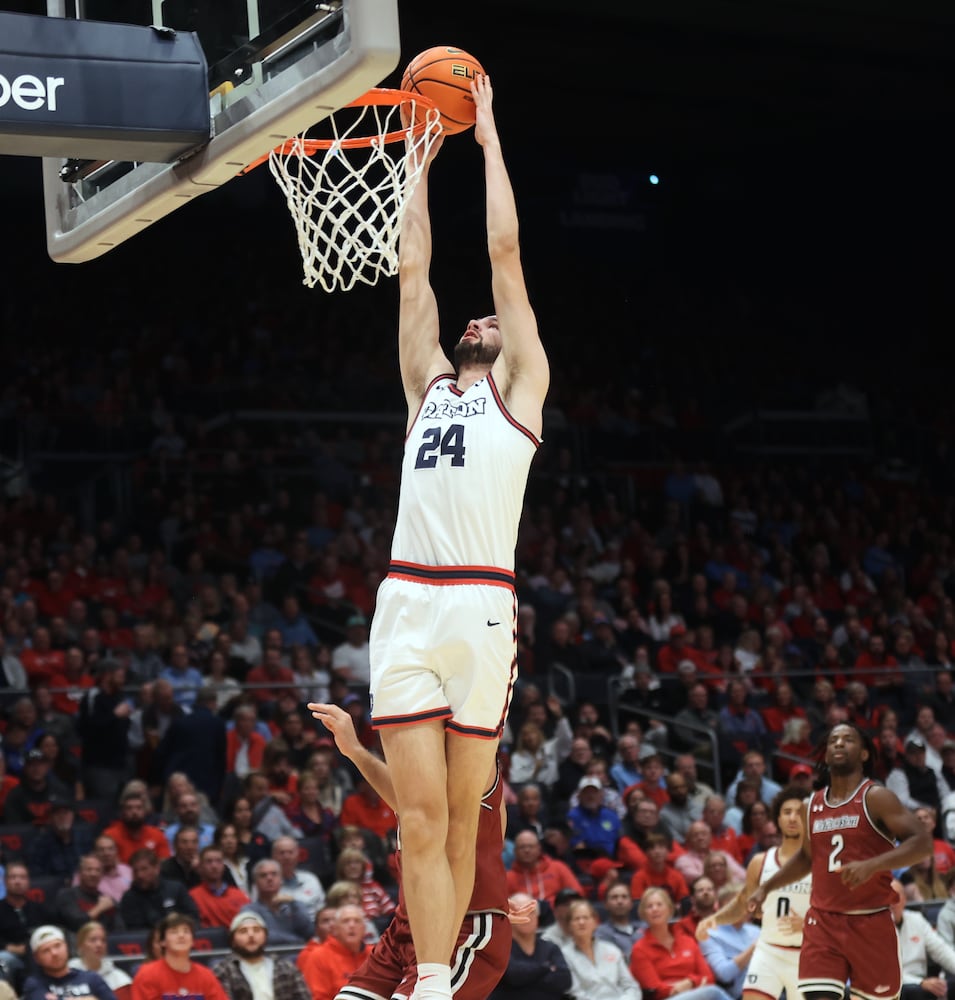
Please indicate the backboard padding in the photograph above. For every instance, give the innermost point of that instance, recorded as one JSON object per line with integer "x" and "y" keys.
{"x": 247, "y": 123}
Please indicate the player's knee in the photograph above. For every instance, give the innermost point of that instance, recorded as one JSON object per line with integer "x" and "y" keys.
{"x": 423, "y": 827}
{"x": 462, "y": 834}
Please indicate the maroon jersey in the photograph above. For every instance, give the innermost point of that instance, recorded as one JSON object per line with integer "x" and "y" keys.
{"x": 839, "y": 834}
{"x": 490, "y": 878}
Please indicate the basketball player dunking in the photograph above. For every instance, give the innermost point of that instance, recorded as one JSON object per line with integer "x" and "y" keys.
{"x": 443, "y": 635}
{"x": 483, "y": 947}
{"x": 855, "y": 833}
{"x": 774, "y": 966}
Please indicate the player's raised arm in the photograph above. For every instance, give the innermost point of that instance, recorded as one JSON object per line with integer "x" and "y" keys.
{"x": 526, "y": 374}
{"x": 794, "y": 870}
{"x": 419, "y": 349}
{"x": 915, "y": 842}
{"x": 341, "y": 725}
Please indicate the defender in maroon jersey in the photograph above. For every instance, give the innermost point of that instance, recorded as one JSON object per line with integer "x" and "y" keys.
{"x": 855, "y": 832}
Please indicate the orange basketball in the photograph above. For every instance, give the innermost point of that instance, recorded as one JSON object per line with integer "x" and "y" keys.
{"x": 444, "y": 74}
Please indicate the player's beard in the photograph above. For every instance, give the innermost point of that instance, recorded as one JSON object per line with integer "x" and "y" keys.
{"x": 468, "y": 353}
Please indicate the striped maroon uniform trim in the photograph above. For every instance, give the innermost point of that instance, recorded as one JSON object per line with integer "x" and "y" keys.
{"x": 449, "y": 576}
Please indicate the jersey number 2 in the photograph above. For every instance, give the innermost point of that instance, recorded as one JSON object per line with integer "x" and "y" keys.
{"x": 433, "y": 444}
{"x": 837, "y": 845}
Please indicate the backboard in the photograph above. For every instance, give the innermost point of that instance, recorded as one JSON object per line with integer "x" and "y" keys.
{"x": 276, "y": 68}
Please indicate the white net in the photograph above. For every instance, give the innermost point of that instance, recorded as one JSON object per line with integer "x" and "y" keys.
{"x": 348, "y": 200}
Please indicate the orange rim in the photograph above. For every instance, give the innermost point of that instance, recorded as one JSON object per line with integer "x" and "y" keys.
{"x": 377, "y": 96}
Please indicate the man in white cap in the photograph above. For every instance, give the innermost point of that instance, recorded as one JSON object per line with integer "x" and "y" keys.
{"x": 248, "y": 973}
{"x": 53, "y": 977}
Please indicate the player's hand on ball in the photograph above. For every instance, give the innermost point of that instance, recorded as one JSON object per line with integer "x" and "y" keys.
{"x": 484, "y": 128}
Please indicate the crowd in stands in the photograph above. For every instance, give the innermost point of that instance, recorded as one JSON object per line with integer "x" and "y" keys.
{"x": 687, "y": 631}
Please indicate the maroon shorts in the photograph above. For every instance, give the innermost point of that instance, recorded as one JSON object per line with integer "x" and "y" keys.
{"x": 481, "y": 955}
{"x": 861, "y": 949}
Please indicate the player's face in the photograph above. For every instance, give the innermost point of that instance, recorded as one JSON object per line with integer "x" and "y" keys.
{"x": 480, "y": 344}
{"x": 844, "y": 751}
{"x": 790, "y": 818}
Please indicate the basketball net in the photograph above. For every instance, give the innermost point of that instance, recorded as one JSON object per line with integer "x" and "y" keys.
{"x": 348, "y": 194}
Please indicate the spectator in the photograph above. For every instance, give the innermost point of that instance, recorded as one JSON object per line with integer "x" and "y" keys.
{"x": 943, "y": 852}
{"x": 234, "y": 856}
{"x": 537, "y": 759}
{"x": 253, "y": 843}
{"x": 537, "y": 875}
{"x": 327, "y": 967}
{"x": 573, "y": 768}
{"x": 188, "y": 813}
{"x": 77, "y": 905}
{"x": 620, "y": 928}
{"x": 741, "y": 727}
{"x": 353, "y": 865}
{"x": 64, "y": 764}
{"x": 594, "y": 828}
{"x": 747, "y": 793}
{"x": 559, "y": 931}
{"x": 723, "y": 837}
{"x": 286, "y": 919}
{"x": 267, "y": 817}
{"x": 91, "y": 951}
{"x": 626, "y": 770}
{"x": 297, "y": 883}
{"x": 183, "y": 865}
{"x": 692, "y": 723}
{"x": 57, "y": 849}
{"x": 30, "y": 801}
{"x": 270, "y": 678}
{"x": 217, "y": 901}
{"x": 350, "y": 659}
{"x": 248, "y": 973}
{"x": 643, "y": 819}
{"x": 131, "y": 832}
{"x": 913, "y": 781}
{"x": 53, "y": 976}
{"x": 366, "y": 809}
{"x": 702, "y": 904}
{"x": 324, "y": 922}
{"x": 945, "y": 922}
{"x": 184, "y": 678}
{"x": 7, "y": 781}
{"x": 150, "y": 898}
{"x": 117, "y": 877}
{"x": 652, "y": 782}
{"x": 919, "y": 943}
{"x": 755, "y": 822}
{"x": 729, "y": 947}
{"x": 598, "y": 969}
{"x": 103, "y": 724}
{"x": 667, "y": 961}
{"x": 196, "y": 744}
{"x": 678, "y": 813}
{"x": 528, "y": 813}
{"x": 245, "y": 746}
{"x": 753, "y": 767}
{"x": 658, "y": 872}
{"x": 175, "y": 974}
{"x": 308, "y": 815}
{"x": 697, "y": 791}
{"x": 537, "y": 969}
{"x": 18, "y": 916}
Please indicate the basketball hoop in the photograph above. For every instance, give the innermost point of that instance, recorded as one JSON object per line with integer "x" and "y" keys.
{"x": 347, "y": 194}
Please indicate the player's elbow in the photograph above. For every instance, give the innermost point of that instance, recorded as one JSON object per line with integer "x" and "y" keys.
{"x": 503, "y": 242}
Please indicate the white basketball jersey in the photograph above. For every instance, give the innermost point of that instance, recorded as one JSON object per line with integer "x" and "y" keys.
{"x": 792, "y": 898}
{"x": 462, "y": 479}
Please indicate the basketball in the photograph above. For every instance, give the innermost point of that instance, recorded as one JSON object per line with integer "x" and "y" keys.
{"x": 444, "y": 74}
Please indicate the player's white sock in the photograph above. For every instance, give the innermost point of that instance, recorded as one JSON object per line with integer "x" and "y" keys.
{"x": 434, "y": 981}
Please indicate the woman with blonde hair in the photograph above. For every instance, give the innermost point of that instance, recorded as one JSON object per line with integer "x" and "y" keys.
{"x": 666, "y": 961}
{"x": 91, "y": 949}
